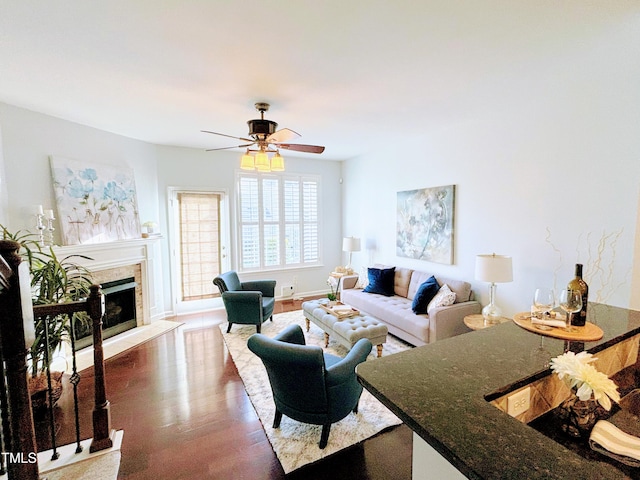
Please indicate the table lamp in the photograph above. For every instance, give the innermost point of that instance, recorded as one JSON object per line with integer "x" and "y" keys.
{"x": 494, "y": 269}
{"x": 350, "y": 244}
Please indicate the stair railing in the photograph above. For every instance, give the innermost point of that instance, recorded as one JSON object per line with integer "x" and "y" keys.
{"x": 17, "y": 333}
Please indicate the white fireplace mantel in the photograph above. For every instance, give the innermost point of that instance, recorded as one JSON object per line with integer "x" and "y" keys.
{"x": 103, "y": 256}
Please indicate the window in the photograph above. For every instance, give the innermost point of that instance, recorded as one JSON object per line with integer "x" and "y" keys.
{"x": 278, "y": 221}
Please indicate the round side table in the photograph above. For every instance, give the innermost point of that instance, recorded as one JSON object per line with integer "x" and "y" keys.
{"x": 476, "y": 321}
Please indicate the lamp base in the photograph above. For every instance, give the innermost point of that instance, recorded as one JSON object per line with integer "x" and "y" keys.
{"x": 491, "y": 313}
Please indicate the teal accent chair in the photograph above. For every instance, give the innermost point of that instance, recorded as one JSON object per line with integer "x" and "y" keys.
{"x": 308, "y": 385}
{"x": 247, "y": 303}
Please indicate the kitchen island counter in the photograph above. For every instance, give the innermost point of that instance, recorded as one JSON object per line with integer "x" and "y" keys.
{"x": 440, "y": 391}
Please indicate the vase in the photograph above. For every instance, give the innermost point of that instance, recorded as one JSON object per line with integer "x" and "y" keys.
{"x": 578, "y": 417}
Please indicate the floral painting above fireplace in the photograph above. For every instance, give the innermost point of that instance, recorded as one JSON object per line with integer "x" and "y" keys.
{"x": 96, "y": 203}
{"x": 425, "y": 224}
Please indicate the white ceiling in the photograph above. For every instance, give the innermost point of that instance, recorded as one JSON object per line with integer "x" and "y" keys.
{"x": 345, "y": 74}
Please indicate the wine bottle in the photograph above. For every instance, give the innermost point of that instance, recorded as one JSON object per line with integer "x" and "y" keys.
{"x": 577, "y": 283}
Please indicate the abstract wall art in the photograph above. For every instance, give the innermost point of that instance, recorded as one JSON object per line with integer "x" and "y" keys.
{"x": 96, "y": 203}
{"x": 425, "y": 224}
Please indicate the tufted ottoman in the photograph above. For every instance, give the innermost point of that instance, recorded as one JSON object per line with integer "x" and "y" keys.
{"x": 347, "y": 331}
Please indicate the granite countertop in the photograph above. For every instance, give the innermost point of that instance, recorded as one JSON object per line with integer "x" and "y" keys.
{"x": 440, "y": 391}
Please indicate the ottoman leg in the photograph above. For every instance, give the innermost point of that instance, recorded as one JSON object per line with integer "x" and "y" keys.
{"x": 308, "y": 323}
{"x": 379, "y": 347}
{"x": 326, "y": 339}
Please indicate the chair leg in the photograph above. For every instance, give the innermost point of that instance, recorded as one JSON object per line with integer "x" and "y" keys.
{"x": 276, "y": 419}
{"x": 229, "y": 327}
{"x": 355, "y": 410}
{"x": 271, "y": 318}
{"x": 324, "y": 437}
{"x": 258, "y": 327}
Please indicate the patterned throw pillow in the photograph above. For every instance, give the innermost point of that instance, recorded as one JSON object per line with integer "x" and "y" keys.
{"x": 363, "y": 278}
{"x": 443, "y": 298}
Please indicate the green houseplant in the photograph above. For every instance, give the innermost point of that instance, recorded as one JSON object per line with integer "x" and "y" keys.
{"x": 53, "y": 280}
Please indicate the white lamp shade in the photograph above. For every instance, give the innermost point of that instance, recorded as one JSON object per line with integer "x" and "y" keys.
{"x": 350, "y": 244}
{"x": 494, "y": 268}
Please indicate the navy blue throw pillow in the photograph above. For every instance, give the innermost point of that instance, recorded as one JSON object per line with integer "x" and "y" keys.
{"x": 381, "y": 281}
{"x": 424, "y": 295}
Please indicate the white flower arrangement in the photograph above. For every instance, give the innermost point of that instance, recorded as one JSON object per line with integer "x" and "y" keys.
{"x": 333, "y": 285}
{"x": 578, "y": 373}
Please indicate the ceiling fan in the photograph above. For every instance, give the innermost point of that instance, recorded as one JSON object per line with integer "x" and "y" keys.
{"x": 264, "y": 135}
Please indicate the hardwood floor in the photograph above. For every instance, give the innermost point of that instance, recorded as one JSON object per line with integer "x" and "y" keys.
{"x": 186, "y": 415}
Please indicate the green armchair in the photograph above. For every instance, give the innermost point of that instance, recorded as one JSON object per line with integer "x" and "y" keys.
{"x": 248, "y": 303}
{"x": 308, "y": 385}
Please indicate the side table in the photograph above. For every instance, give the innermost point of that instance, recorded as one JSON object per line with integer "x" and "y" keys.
{"x": 476, "y": 321}
{"x": 349, "y": 278}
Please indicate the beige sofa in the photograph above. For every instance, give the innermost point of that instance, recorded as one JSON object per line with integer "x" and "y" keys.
{"x": 395, "y": 311}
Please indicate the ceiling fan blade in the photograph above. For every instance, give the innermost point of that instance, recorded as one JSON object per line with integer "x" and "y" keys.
{"x": 229, "y": 136}
{"x": 300, "y": 148}
{"x": 283, "y": 135}
{"x": 227, "y": 148}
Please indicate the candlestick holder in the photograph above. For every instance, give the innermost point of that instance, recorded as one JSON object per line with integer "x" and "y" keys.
{"x": 41, "y": 228}
{"x": 50, "y": 230}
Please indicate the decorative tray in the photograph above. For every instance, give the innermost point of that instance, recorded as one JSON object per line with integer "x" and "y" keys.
{"x": 340, "y": 310}
{"x": 589, "y": 333}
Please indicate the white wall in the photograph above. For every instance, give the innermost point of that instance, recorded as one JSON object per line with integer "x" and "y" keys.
{"x": 541, "y": 174}
{"x": 29, "y": 138}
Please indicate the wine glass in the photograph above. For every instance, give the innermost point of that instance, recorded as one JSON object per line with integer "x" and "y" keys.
{"x": 570, "y": 302}
{"x": 544, "y": 300}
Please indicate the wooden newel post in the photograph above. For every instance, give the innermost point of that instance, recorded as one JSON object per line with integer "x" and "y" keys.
{"x": 101, "y": 410}
{"x": 16, "y": 336}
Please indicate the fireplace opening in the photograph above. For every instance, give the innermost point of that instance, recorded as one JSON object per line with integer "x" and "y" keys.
{"x": 119, "y": 315}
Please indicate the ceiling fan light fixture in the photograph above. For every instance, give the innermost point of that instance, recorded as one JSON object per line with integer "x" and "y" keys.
{"x": 264, "y": 135}
{"x": 262, "y": 161}
{"x": 277, "y": 163}
{"x": 246, "y": 162}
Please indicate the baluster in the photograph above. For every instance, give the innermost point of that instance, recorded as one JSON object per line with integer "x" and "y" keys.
{"x": 52, "y": 418}
{"x": 101, "y": 412}
{"x": 75, "y": 380}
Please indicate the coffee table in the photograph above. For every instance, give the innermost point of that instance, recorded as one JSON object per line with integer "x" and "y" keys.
{"x": 345, "y": 331}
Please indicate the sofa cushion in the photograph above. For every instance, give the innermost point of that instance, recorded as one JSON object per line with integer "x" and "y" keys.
{"x": 424, "y": 295}
{"x": 443, "y": 298}
{"x": 381, "y": 281}
{"x": 401, "y": 281}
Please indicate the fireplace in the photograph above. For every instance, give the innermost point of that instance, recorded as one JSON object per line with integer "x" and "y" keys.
{"x": 112, "y": 263}
{"x": 119, "y": 315}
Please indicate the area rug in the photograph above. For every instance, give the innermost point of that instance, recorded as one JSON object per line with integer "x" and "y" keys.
{"x": 295, "y": 443}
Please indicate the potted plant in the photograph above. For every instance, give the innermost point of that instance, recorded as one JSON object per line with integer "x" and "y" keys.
{"x": 53, "y": 280}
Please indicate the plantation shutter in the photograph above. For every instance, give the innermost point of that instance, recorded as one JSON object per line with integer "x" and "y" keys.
{"x": 279, "y": 221}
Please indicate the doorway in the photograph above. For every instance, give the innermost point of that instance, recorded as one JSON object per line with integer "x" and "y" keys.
{"x": 200, "y": 235}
